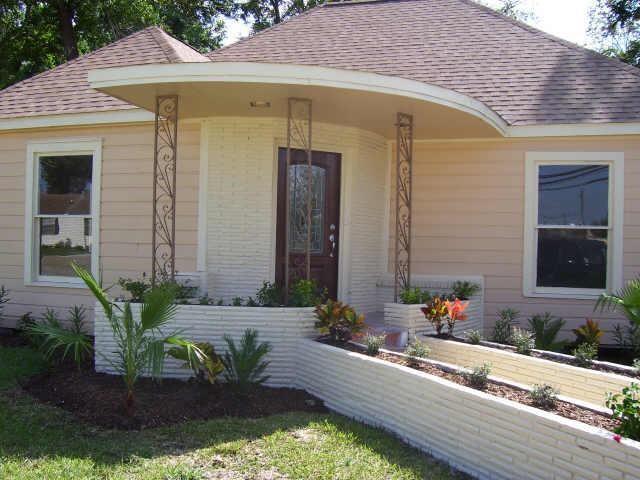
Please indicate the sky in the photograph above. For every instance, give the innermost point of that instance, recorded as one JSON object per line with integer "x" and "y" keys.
{"x": 568, "y": 19}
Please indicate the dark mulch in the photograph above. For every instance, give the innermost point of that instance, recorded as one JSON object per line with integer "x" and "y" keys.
{"x": 97, "y": 398}
{"x": 10, "y": 338}
{"x": 564, "y": 409}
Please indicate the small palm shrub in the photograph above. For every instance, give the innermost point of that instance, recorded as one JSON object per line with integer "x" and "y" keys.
{"x": 625, "y": 407}
{"x": 585, "y": 354}
{"x": 543, "y": 396}
{"x": 270, "y": 295}
{"x": 338, "y": 320}
{"x": 236, "y": 301}
{"x": 464, "y": 290}
{"x": 374, "y": 343}
{"x": 545, "y": 330}
{"x": 414, "y": 296}
{"x": 474, "y": 337}
{"x": 503, "y": 327}
{"x": 416, "y": 350}
{"x": 306, "y": 293}
{"x": 206, "y": 367}
{"x": 435, "y": 312}
{"x": 590, "y": 332}
{"x": 54, "y": 339}
{"x": 522, "y": 340}
{"x": 244, "y": 364}
{"x": 478, "y": 377}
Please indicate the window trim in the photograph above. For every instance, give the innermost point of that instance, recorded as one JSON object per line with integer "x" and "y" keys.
{"x": 62, "y": 146}
{"x": 533, "y": 160}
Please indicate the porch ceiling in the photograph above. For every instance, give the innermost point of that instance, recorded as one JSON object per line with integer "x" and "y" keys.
{"x": 349, "y": 98}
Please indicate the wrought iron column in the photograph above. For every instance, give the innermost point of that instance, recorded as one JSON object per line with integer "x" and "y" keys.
{"x": 298, "y": 136}
{"x": 404, "y": 158}
{"x": 164, "y": 189}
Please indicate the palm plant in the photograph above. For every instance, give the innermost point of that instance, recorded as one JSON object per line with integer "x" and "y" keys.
{"x": 141, "y": 343}
{"x": 626, "y": 301}
{"x": 244, "y": 364}
{"x": 545, "y": 329}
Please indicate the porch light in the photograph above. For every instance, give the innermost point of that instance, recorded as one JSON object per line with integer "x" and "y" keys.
{"x": 260, "y": 104}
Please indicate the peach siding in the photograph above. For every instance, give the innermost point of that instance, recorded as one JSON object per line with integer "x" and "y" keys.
{"x": 125, "y": 223}
{"x": 468, "y": 216}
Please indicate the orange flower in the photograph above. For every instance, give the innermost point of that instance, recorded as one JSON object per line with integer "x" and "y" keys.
{"x": 456, "y": 309}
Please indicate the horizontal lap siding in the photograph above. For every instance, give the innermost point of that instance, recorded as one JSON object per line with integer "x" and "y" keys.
{"x": 125, "y": 223}
{"x": 468, "y": 214}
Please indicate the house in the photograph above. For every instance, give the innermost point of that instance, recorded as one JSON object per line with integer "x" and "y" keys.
{"x": 519, "y": 162}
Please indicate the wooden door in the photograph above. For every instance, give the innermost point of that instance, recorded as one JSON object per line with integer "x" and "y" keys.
{"x": 325, "y": 223}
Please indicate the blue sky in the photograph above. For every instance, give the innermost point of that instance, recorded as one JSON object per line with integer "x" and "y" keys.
{"x": 568, "y": 19}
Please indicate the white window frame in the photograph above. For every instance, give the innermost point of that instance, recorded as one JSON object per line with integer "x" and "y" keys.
{"x": 59, "y": 147}
{"x": 533, "y": 160}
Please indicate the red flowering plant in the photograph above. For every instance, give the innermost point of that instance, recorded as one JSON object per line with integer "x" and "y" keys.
{"x": 455, "y": 312}
{"x": 435, "y": 311}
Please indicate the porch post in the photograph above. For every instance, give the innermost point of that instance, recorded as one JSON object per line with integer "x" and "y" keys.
{"x": 404, "y": 158}
{"x": 298, "y": 136}
{"x": 164, "y": 189}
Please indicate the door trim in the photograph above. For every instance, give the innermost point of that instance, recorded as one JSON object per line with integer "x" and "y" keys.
{"x": 348, "y": 154}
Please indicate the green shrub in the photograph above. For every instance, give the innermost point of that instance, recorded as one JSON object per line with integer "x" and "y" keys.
{"x": 585, "y": 354}
{"x": 545, "y": 329}
{"x": 522, "y": 340}
{"x": 502, "y": 330}
{"x": 416, "y": 350}
{"x": 54, "y": 339}
{"x": 135, "y": 288}
{"x": 374, "y": 343}
{"x": 478, "y": 377}
{"x": 236, "y": 301}
{"x": 270, "y": 295}
{"x": 206, "y": 367}
{"x": 244, "y": 365}
{"x": 628, "y": 337}
{"x": 625, "y": 407}
{"x": 414, "y": 296}
{"x": 252, "y": 303}
{"x": 306, "y": 293}
{"x": 205, "y": 300}
{"x": 464, "y": 290}
{"x": 543, "y": 396}
{"x": 474, "y": 336}
{"x": 338, "y": 320}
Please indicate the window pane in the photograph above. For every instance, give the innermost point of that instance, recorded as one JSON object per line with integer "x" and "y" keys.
{"x": 65, "y": 185}
{"x": 573, "y": 195}
{"x": 69, "y": 244}
{"x": 572, "y": 258}
{"x": 298, "y": 188}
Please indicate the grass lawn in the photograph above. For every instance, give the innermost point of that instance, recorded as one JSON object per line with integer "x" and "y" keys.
{"x": 41, "y": 442}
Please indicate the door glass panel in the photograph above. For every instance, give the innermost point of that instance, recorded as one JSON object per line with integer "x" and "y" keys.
{"x": 573, "y": 195}
{"x": 298, "y": 188}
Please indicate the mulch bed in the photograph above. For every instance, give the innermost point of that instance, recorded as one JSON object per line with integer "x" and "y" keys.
{"x": 11, "y": 339}
{"x": 564, "y": 409}
{"x": 97, "y": 398}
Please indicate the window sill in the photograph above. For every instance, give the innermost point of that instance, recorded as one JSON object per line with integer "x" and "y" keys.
{"x": 71, "y": 283}
{"x": 567, "y": 295}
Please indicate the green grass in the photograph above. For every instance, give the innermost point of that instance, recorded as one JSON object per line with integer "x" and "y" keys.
{"x": 41, "y": 442}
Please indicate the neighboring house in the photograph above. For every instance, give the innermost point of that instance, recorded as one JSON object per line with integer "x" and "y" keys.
{"x": 525, "y": 160}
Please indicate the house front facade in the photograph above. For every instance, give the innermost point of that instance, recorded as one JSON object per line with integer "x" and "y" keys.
{"x": 432, "y": 150}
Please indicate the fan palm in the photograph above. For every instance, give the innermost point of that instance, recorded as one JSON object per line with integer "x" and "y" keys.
{"x": 141, "y": 343}
{"x": 626, "y": 301}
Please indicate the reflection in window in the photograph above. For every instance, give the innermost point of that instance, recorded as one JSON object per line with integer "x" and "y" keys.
{"x": 63, "y": 220}
{"x": 298, "y": 188}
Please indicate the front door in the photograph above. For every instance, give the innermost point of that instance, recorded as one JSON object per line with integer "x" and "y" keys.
{"x": 325, "y": 224}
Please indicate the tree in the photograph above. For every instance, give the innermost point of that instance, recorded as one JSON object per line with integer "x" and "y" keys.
{"x": 512, "y": 9}
{"x": 36, "y": 35}
{"x": 266, "y": 13}
{"x": 615, "y": 28}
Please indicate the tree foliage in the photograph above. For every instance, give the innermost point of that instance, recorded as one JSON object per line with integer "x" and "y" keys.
{"x": 266, "y": 13}
{"x": 38, "y": 35}
{"x": 615, "y": 28}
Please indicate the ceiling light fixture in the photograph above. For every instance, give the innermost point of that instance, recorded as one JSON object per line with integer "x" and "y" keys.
{"x": 260, "y": 104}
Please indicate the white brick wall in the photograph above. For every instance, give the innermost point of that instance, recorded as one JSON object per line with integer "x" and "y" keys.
{"x": 486, "y": 436}
{"x": 583, "y": 384}
{"x": 241, "y": 218}
{"x": 281, "y": 327}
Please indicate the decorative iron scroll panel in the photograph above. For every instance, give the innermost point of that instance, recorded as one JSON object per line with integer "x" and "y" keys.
{"x": 404, "y": 158}
{"x": 164, "y": 188}
{"x": 298, "y": 136}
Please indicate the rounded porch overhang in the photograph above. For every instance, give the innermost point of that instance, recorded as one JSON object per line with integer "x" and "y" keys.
{"x": 345, "y": 97}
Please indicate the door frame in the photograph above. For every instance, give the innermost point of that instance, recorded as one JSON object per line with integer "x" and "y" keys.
{"x": 344, "y": 244}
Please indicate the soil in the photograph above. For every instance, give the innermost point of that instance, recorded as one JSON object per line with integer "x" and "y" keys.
{"x": 10, "y": 338}
{"x": 564, "y": 409}
{"x": 98, "y": 399}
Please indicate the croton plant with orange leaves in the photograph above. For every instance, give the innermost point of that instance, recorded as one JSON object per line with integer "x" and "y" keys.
{"x": 440, "y": 309}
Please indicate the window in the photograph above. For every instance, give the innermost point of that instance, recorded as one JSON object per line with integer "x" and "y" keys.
{"x": 62, "y": 209}
{"x": 573, "y": 224}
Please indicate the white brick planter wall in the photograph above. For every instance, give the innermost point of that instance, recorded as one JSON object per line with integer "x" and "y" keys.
{"x": 411, "y": 318}
{"x": 283, "y": 328}
{"x": 486, "y": 436}
{"x": 582, "y": 384}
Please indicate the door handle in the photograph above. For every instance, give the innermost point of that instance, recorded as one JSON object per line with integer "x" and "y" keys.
{"x": 332, "y": 240}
